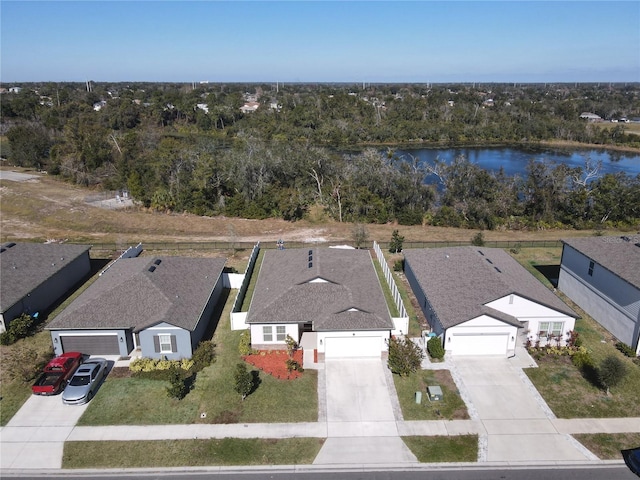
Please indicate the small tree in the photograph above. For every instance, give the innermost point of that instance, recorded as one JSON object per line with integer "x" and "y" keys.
{"x": 478, "y": 240}
{"x": 405, "y": 356}
{"x": 396, "y": 242}
{"x": 243, "y": 380}
{"x": 360, "y": 235}
{"x": 611, "y": 372}
{"x": 292, "y": 345}
{"x": 178, "y": 386}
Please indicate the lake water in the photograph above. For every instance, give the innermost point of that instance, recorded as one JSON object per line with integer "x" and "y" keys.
{"x": 514, "y": 160}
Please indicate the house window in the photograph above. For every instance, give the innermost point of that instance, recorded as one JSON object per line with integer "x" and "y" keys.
{"x": 281, "y": 333}
{"x": 551, "y": 329}
{"x": 591, "y": 265}
{"x": 165, "y": 343}
{"x": 267, "y": 334}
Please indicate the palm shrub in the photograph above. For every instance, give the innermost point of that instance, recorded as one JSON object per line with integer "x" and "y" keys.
{"x": 435, "y": 348}
{"x": 405, "y": 356}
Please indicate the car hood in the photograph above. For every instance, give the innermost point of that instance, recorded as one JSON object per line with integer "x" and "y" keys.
{"x": 75, "y": 393}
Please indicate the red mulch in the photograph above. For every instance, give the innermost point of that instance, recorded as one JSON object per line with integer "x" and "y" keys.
{"x": 274, "y": 362}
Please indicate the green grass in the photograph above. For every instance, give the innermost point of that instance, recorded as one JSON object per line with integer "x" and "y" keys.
{"x": 181, "y": 453}
{"x": 607, "y": 446}
{"x": 147, "y": 402}
{"x": 246, "y": 302}
{"x": 393, "y": 310}
{"x": 450, "y": 407}
{"x": 439, "y": 449}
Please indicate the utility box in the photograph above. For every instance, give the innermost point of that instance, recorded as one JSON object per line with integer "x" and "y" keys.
{"x": 434, "y": 392}
{"x": 418, "y": 398}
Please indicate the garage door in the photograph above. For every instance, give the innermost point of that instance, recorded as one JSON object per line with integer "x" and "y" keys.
{"x": 478, "y": 344}
{"x": 350, "y": 347}
{"x": 91, "y": 344}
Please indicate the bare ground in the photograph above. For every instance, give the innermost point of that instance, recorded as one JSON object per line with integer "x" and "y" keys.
{"x": 46, "y": 208}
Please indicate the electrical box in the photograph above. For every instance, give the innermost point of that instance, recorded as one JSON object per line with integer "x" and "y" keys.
{"x": 434, "y": 392}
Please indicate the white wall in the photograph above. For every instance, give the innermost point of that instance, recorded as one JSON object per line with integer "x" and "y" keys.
{"x": 532, "y": 313}
{"x": 257, "y": 336}
{"x": 233, "y": 280}
{"x": 400, "y": 326}
{"x": 238, "y": 320}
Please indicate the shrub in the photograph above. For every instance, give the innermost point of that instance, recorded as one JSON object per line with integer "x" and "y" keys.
{"x": 611, "y": 372}
{"x": 203, "y": 356}
{"x": 405, "y": 356}
{"x": 25, "y": 363}
{"x": 178, "y": 386}
{"x": 435, "y": 348}
{"x": 20, "y": 327}
{"x": 244, "y": 347}
{"x": 149, "y": 365}
{"x": 398, "y": 265}
{"x": 582, "y": 359}
{"x": 243, "y": 380}
{"x": 626, "y": 349}
{"x": 293, "y": 365}
{"x": 292, "y": 345}
{"x": 397, "y": 240}
{"x": 478, "y": 239}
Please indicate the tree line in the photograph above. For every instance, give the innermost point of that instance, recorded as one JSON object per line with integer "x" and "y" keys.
{"x": 319, "y": 150}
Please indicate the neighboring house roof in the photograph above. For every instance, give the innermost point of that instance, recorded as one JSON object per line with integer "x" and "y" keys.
{"x": 460, "y": 281}
{"x": 25, "y": 266}
{"x": 619, "y": 255}
{"x": 336, "y": 290}
{"x": 140, "y": 292}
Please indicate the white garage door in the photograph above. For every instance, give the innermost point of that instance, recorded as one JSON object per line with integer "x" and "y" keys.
{"x": 350, "y": 347}
{"x": 478, "y": 344}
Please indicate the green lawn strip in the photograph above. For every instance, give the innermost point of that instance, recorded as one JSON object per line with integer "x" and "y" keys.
{"x": 199, "y": 452}
{"x": 146, "y": 401}
{"x": 252, "y": 284}
{"x": 440, "y": 449}
{"x": 607, "y": 446}
{"x": 393, "y": 310}
{"x": 450, "y": 407}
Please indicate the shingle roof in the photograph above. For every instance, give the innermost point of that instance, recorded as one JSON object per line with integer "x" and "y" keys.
{"x": 616, "y": 254}
{"x": 460, "y": 281}
{"x": 130, "y": 295}
{"x": 349, "y": 297}
{"x": 25, "y": 266}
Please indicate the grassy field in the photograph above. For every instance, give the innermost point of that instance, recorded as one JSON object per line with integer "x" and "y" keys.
{"x": 195, "y": 453}
{"x": 462, "y": 448}
{"x": 451, "y": 407}
{"x": 148, "y": 404}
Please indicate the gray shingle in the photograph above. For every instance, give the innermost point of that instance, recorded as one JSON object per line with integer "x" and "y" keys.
{"x": 283, "y": 293}
{"x": 25, "y": 266}
{"x": 129, "y": 295}
{"x": 619, "y": 256}
{"x": 459, "y": 281}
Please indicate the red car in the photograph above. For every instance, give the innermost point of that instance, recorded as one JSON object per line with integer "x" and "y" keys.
{"x": 56, "y": 373}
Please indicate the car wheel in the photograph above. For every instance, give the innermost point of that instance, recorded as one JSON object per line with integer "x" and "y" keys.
{"x": 89, "y": 396}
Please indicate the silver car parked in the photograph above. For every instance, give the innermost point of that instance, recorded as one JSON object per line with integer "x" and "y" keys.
{"x": 85, "y": 381}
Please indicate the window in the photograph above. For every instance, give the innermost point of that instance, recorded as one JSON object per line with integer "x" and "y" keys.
{"x": 591, "y": 265}
{"x": 165, "y": 343}
{"x": 281, "y": 333}
{"x": 267, "y": 334}
{"x": 551, "y": 329}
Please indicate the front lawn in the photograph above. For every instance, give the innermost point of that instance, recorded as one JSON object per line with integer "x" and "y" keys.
{"x": 192, "y": 453}
{"x": 137, "y": 401}
{"x": 607, "y": 446}
{"x": 451, "y": 407}
{"x": 440, "y": 449}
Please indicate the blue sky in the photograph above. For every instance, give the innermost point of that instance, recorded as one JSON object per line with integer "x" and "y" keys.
{"x": 327, "y": 41}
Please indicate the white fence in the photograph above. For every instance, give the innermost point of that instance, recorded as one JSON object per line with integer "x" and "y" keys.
{"x": 401, "y": 324}
{"x": 237, "y": 317}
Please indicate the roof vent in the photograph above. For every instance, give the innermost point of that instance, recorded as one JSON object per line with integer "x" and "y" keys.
{"x": 11, "y": 244}
{"x": 626, "y": 239}
{"x": 310, "y": 252}
{"x": 152, "y": 268}
{"x": 310, "y": 264}
{"x": 498, "y": 270}
{"x": 480, "y": 252}
{"x": 2, "y": 249}
{"x": 157, "y": 261}
{"x": 488, "y": 260}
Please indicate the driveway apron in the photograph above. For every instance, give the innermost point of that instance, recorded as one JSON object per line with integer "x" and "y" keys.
{"x": 35, "y": 436}
{"x": 517, "y": 420}
{"x": 361, "y": 425}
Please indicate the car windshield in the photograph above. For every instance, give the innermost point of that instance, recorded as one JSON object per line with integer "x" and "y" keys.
{"x": 80, "y": 380}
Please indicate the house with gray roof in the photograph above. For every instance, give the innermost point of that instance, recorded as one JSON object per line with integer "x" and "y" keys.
{"x": 35, "y": 276}
{"x": 602, "y": 275}
{"x": 161, "y": 306}
{"x": 328, "y": 299}
{"x": 481, "y": 301}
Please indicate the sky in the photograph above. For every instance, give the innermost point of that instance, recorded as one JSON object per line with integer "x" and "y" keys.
{"x": 320, "y": 41}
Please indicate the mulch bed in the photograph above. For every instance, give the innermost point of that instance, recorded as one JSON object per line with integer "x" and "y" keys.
{"x": 274, "y": 362}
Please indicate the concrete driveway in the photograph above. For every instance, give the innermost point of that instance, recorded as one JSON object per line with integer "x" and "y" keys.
{"x": 35, "y": 436}
{"x": 514, "y": 415}
{"x": 361, "y": 424}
